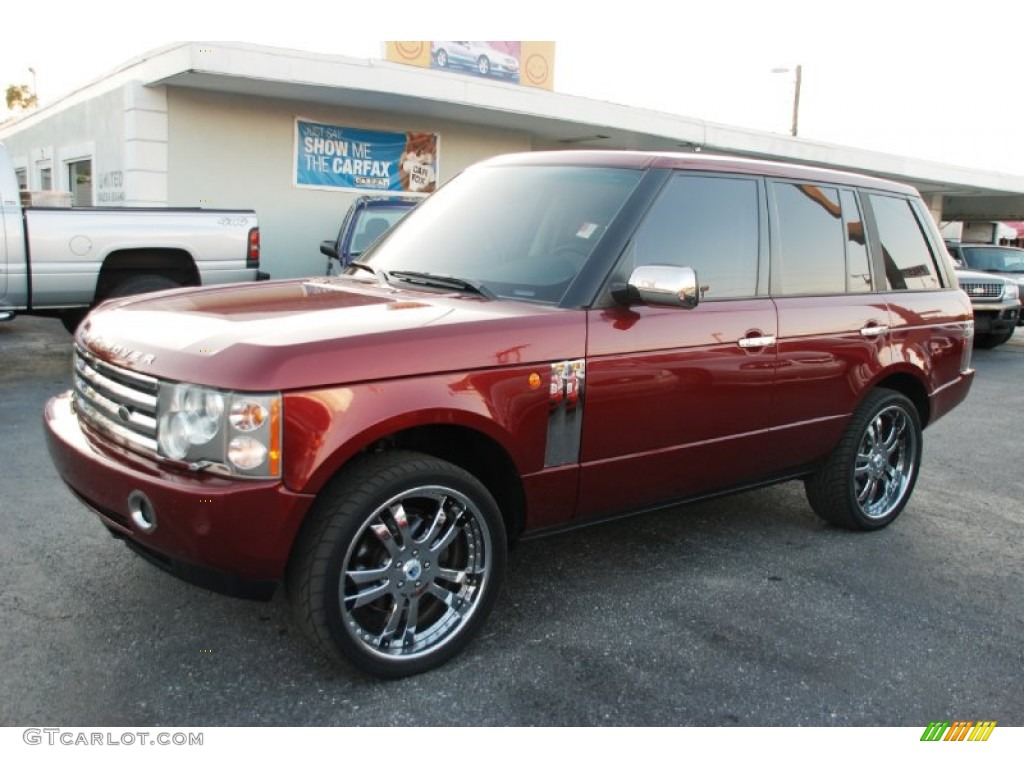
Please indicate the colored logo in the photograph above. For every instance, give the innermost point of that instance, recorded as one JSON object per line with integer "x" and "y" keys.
{"x": 536, "y": 69}
{"x": 410, "y": 50}
{"x": 960, "y": 730}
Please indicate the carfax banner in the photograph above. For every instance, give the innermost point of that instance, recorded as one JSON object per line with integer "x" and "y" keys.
{"x": 335, "y": 157}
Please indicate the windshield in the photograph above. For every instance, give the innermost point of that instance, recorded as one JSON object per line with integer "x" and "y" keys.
{"x": 519, "y": 232}
{"x": 371, "y": 223}
{"x": 994, "y": 259}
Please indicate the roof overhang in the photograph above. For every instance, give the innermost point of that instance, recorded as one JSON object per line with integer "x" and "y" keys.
{"x": 552, "y": 120}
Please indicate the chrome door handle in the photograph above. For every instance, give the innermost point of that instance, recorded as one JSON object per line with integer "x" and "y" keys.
{"x": 874, "y": 330}
{"x": 756, "y": 342}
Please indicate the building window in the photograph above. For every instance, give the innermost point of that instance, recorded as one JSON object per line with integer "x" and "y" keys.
{"x": 22, "y": 174}
{"x": 80, "y": 182}
{"x": 46, "y": 179}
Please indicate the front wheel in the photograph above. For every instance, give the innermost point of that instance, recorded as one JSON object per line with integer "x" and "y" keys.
{"x": 399, "y": 564}
{"x": 870, "y": 475}
{"x": 992, "y": 340}
{"x": 483, "y": 66}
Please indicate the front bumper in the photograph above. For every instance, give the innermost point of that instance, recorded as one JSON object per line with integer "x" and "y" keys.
{"x": 988, "y": 321}
{"x": 230, "y": 535}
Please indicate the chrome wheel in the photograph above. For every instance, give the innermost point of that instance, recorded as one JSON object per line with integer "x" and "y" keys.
{"x": 442, "y": 59}
{"x": 886, "y": 461}
{"x": 398, "y": 564}
{"x": 415, "y": 572}
{"x": 483, "y": 66}
{"x": 870, "y": 474}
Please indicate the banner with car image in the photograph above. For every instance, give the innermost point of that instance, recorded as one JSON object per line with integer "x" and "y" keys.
{"x": 524, "y": 62}
{"x": 336, "y": 157}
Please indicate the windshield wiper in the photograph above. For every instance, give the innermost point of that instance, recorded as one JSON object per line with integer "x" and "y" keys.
{"x": 445, "y": 281}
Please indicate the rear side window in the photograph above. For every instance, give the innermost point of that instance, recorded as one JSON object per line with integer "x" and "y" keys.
{"x": 812, "y": 258}
{"x": 710, "y": 224}
{"x": 909, "y": 263}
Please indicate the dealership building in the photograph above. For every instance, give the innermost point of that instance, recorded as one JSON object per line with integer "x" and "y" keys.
{"x": 297, "y": 136}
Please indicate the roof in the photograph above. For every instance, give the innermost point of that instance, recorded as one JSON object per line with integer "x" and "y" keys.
{"x": 701, "y": 161}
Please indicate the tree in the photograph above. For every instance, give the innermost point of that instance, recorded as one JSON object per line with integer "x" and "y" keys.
{"x": 20, "y": 97}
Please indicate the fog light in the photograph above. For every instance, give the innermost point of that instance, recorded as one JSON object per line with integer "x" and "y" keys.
{"x": 142, "y": 511}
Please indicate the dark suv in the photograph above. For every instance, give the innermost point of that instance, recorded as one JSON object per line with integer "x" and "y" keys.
{"x": 547, "y": 340}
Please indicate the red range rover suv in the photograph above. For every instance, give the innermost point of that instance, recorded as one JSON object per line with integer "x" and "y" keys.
{"x": 549, "y": 339}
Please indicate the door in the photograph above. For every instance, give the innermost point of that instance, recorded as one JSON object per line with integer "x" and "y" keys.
{"x": 678, "y": 401}
{"x": 833, "y": 325}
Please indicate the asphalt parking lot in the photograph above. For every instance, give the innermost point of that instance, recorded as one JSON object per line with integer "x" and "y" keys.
{"x": 742, "y": 611}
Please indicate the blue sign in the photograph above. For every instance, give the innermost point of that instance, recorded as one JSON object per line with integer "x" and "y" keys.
{"x": 333, "y": 157}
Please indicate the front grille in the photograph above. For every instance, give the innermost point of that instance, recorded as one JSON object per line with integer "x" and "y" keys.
{"x": 983, "y": 290}
{"x": 118, "y": 403}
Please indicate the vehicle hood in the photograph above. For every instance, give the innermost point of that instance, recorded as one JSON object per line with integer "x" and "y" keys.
{"x": 282, "y": 335}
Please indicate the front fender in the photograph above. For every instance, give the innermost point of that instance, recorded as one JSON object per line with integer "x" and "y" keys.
{"x": 326, "y": 428}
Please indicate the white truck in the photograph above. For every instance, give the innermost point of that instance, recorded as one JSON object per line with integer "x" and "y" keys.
{"x": 59, "y": 262}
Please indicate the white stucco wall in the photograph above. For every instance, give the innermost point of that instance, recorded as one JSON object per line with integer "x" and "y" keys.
{"x": 123, "y": 131}
{"x": 90, "y": 129}
{"x": 233, "y": 151}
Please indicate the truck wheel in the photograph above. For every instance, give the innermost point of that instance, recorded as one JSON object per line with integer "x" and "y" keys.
{"x": 870, "y": 475}
{"x": 72, "y": 318}
{"x": 992, "y": 340}
{"x": 398, "y": 565}
{"x": 145, "y": 283}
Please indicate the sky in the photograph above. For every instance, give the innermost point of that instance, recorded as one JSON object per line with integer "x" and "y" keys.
{"x": 935, "y": 80}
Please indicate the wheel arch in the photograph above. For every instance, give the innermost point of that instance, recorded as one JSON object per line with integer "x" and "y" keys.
{"x": 911, "y": 387}
{"x": 445, "y": 437}
{"x": 174, "y": 263}
{"x": 477, "y": 453}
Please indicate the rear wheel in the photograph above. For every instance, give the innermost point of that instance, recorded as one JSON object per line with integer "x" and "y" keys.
{"x": 871, "y": 473}
{"x": 144, "y": 283}
{"x": 399, "y": 564}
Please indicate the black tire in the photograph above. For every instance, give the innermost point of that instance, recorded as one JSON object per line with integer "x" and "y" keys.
{"x": 992, "y": 340}
{"x": 72, "y": 318}
{"x": 398, "y": 565}
{"x": 871, "y": 473}
{"x": 144, "y": 283}
{"x": 483, "y": 66}
{"x": 442, "y": 59}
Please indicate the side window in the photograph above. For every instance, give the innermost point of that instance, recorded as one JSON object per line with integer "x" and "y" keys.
{"x": 710, "y": 224}
{"x": 909, "y": 264}
{"x": 811, "y": 241}
{"x": 858, "y": 269}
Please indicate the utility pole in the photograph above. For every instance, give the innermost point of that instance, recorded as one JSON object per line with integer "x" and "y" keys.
{"x": 796, "y": 99}
{"x": 798, "y": 71}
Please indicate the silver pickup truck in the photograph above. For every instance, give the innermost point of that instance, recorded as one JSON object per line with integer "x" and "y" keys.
{"x": 60, "y": 261}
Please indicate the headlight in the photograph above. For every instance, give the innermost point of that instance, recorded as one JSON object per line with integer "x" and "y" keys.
{"x": 1012, "y": 291}
{"x": 231, "y": 432}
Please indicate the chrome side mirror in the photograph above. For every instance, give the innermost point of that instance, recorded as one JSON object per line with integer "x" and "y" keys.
{"x": 661, "y": 286}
